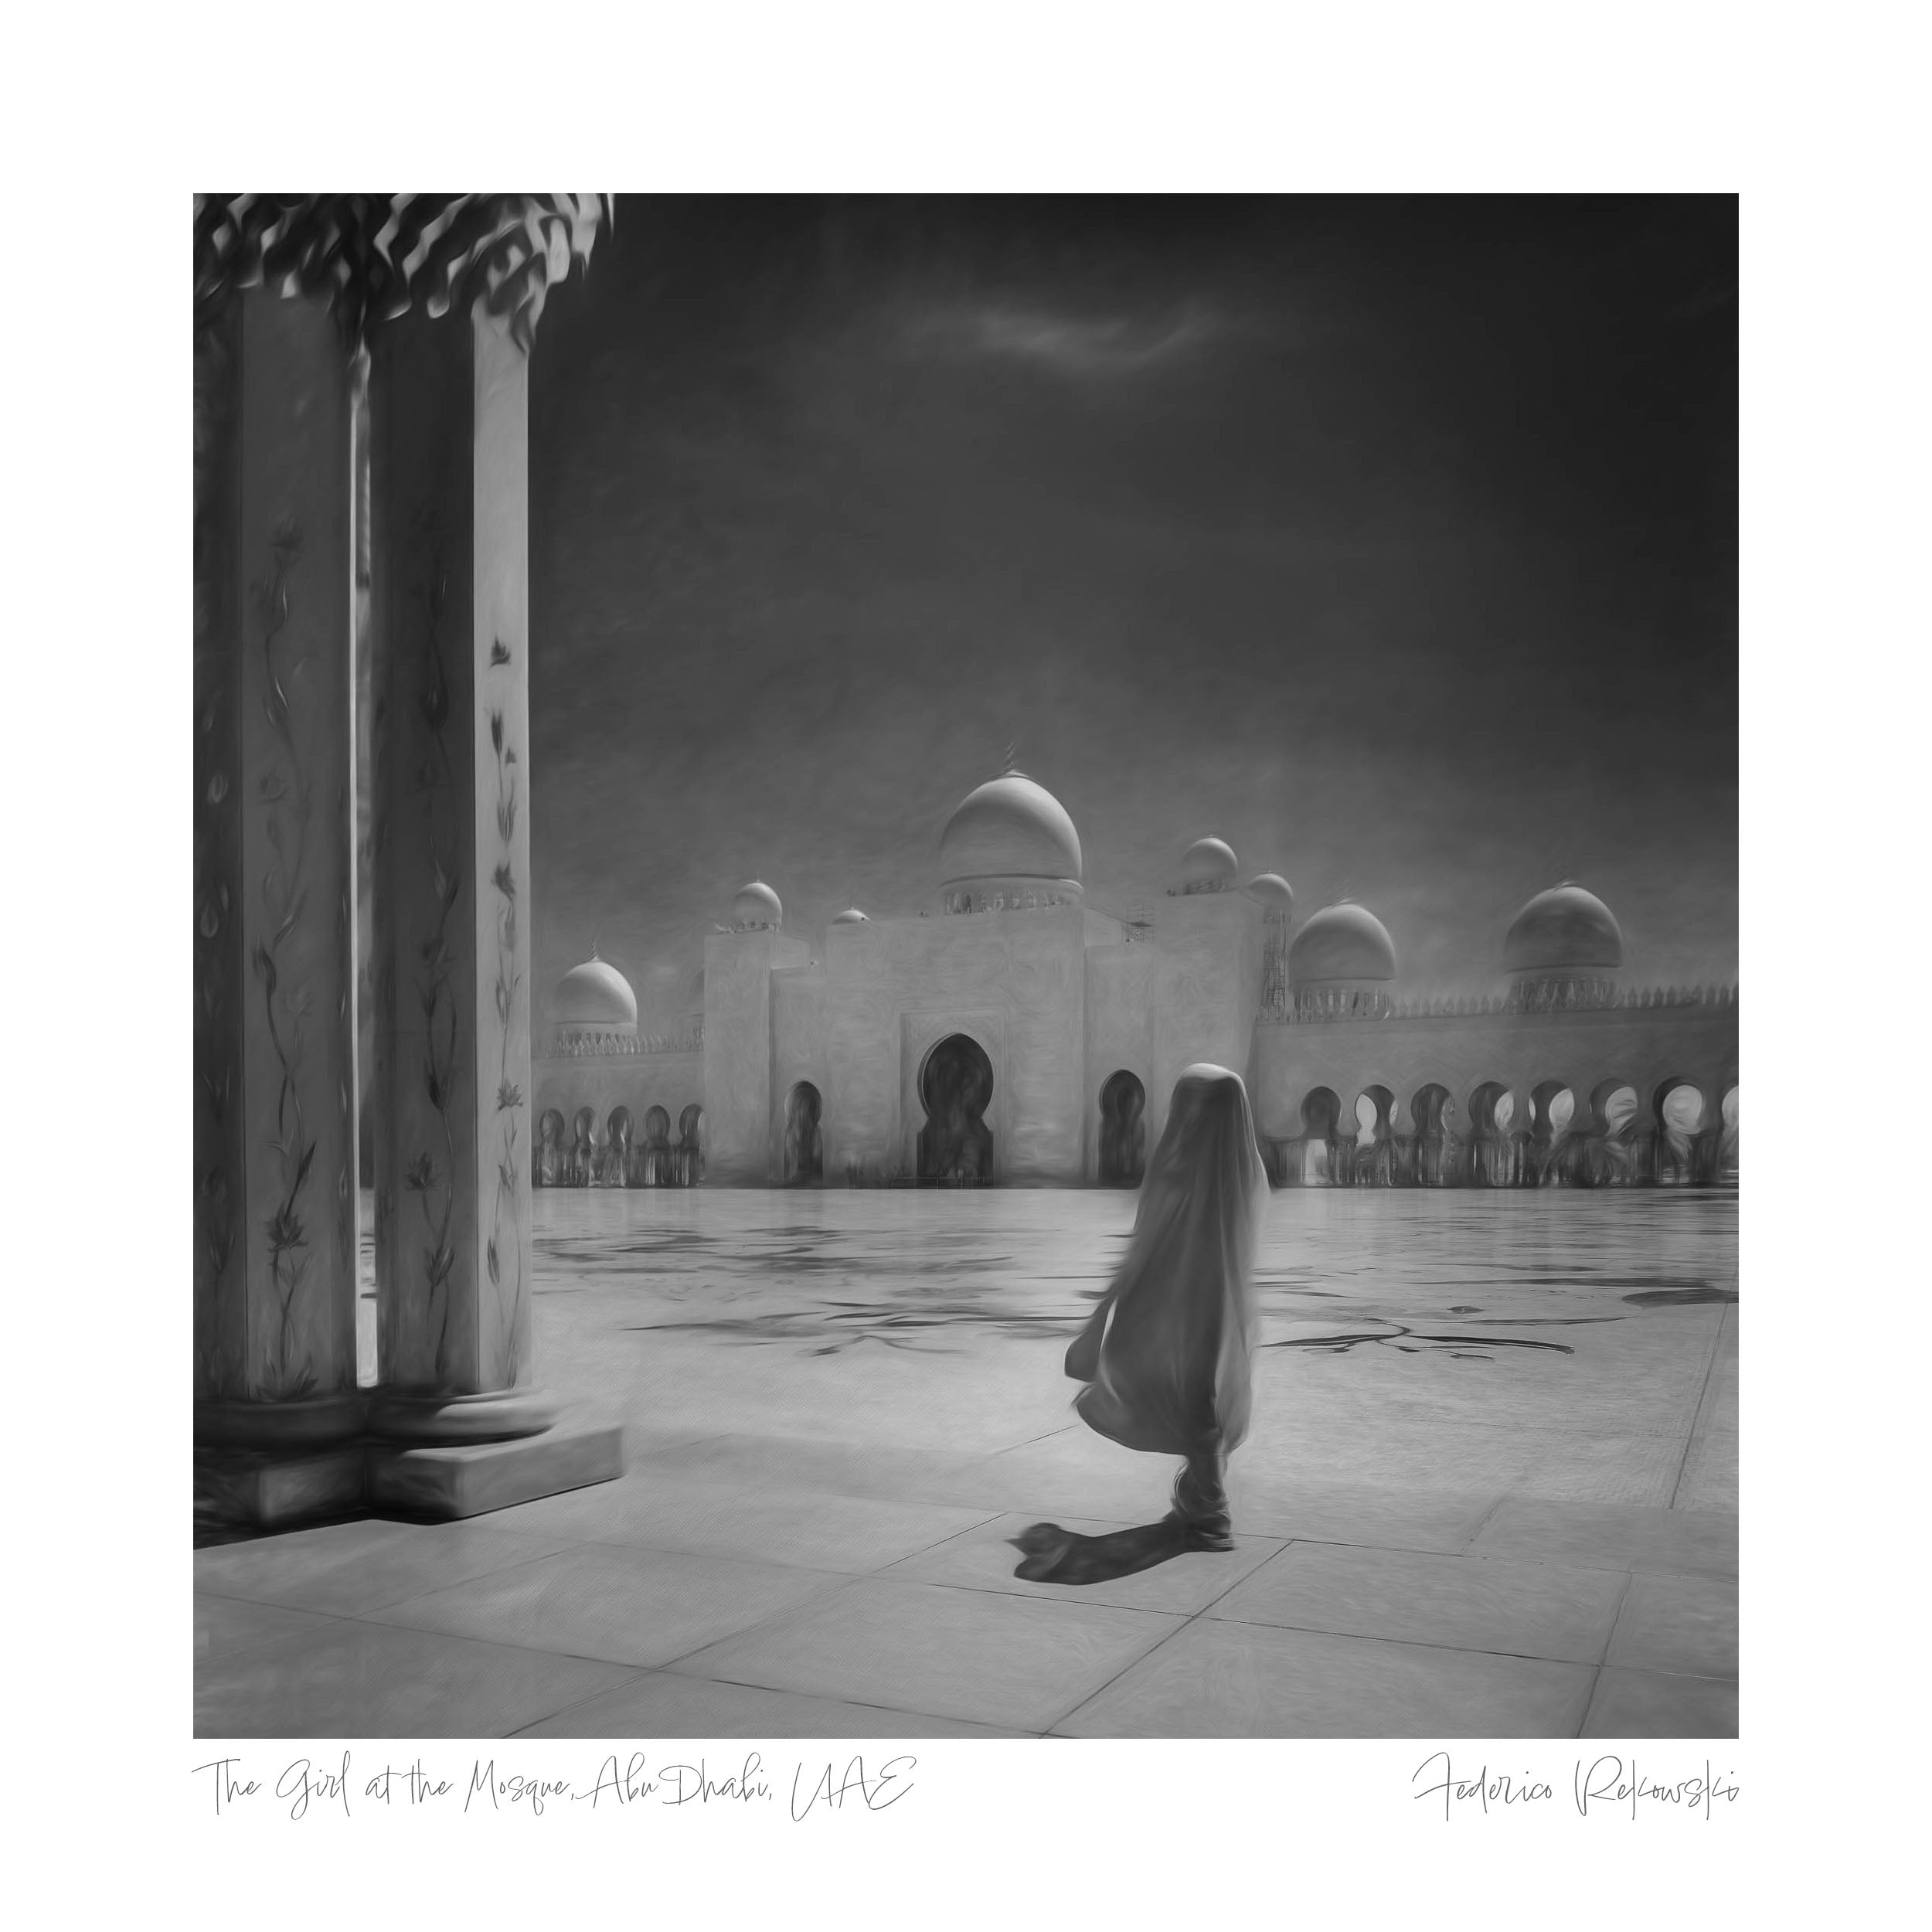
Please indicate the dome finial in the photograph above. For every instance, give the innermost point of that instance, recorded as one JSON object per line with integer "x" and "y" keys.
{"x": 1012, "y": 758}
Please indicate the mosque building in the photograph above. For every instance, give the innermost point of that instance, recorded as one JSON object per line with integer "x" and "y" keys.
{"x": 1011, "y": 1033}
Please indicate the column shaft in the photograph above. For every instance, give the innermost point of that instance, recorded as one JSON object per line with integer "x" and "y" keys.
{"x": 450, "y": 951}
{"x": 275, "y": 1237}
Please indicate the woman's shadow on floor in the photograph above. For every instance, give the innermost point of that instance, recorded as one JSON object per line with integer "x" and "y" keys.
{"x": 1052, "y": 1555}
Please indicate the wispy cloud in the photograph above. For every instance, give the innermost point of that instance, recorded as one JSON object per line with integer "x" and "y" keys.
{"x": 1075, "y": 345}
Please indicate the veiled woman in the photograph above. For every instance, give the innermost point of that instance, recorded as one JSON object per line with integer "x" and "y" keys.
{"x": 1166, "y": 1355}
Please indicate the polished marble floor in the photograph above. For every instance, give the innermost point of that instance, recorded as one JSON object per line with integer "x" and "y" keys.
{"x": 1490, "y": 1490}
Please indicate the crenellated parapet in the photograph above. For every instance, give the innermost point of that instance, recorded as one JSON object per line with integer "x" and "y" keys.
{"x": 1321, "y": 1005}
{"x": 1007, "y": 899}
{"x": 565, "y": 1044}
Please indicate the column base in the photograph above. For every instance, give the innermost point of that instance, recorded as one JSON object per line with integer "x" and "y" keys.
{"x": 448, "y": 1480}
{"x": 496, "y": 1415}
{"x": 259, "y": 1490}
{"x": 255, "y": 1489}
{"x": 282, "y": 1428}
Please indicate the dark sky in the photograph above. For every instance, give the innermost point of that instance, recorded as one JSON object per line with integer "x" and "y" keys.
{"x": 1394, "y": 542}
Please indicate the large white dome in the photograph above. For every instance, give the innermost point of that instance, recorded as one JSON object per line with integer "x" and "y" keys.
{"x": 595, "y": 994}
{"x": 1341, "y": 944}
{"x": 1209, "y": 865}
{"x": 1563, "y": 929}
{"x": 756, "y": 907}
{"x": 1272, "y": 891}
{"x": 1009, "y": 828}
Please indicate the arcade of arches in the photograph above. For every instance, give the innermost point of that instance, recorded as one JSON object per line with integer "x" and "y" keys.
{"x": 1678, "y": 1135}
{"x": 619, "y": 1152}
{"x": 1492, "y": 1137}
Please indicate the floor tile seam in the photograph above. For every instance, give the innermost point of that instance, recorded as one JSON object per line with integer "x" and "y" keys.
{"x": 1411, "y": 1643}
{"x": 1535, "y": 1559}
{"x": 939, "y": 1542}
{"x": 683, "y": 1443}
{"x": 1645, "y": 1567}
{"x": 261, "y": 1603}
{"x": 794, "y": 1444}
{"x": 636, "y": 1549}
{"x": 781, "y": 1563}
{"x": 1704, "y": 1400}
{"x": 1332, "y": 1542}
{"x": 727, "y": 1486}
{"x": 1235, "y": 1583}
{"x": 1027, "y": 1597}
{"x": 368, "y": 1610}
{"x": 1067, "y": 1716}
{"x": 1616, "y": 1616}
{"x": 814, "y": 1600}
{"x": 222, "y": 1658}
{"x": 375, "y": 1619}
{"x": 822, "y": 1697}
{"x": 638, "y": 1672}
{"x": 294, "y": 1639}
{"x": 1483, "y": 1521}
{"x": 1065, "y": 1429}
{"x": 1589, "y": 1703}
{"x": 1659, "y": 1670}
{"x": 1640, "y": 1562}
{"x": 1656, "y": 1515}
{"x": 1177, "y": 1619}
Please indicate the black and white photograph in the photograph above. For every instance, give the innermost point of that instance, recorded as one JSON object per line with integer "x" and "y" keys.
{"x": 880, "y": 1007}
{"x": 966, "y": 966}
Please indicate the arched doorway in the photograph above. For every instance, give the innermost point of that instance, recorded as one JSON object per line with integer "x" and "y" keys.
{"x": 1727, "y": 1141}
{"x": 1678, "y": 1105}
{"x": 1492, "y": 1153}
{"x": 1433, "y": 1112}
{"x": 549, "y": 1166}
{"x": 955, "y": 1087}
{"x": 804, "y": 1147}
{"x": 1552, "y": 1107}
{"x": 659, "y": 1169}
{"x": 1321, "y": 1130}
{"x": 690, "y": 1148}
{"x": 584, "y": 1147}
{"x": 1377, "y": 1158}
{"x": 617, "y": 1159}
{"x": 1614, "y": 1155}
{"x": 1123, "y": 1131}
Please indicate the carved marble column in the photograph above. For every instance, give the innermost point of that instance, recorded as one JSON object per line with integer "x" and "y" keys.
{"x": 451, "y": 948}
{"x": 275, "y": 1235}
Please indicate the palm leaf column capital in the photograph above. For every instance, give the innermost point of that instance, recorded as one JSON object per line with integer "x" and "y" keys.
{"x": 373, "y": 257}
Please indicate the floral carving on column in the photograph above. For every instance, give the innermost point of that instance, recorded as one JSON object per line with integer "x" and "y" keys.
{"x": 220, "y": 1374}
{"x": 434, "y": 1185}
{"x": 285, "y": 795}
{"x": 510, "y": 1095}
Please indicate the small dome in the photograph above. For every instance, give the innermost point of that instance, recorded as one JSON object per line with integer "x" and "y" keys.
{"x": 1274, "y": 892}
{"x": 1010, "y": 827}
{"x": 1209, "y": 866}
{"x": 1344, "y": 942}
{"x": 1563, "y": 929}
{"x": 756, "y": 907}
{"x": 595, "y": 994}
{"x": 852, "y": 916}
